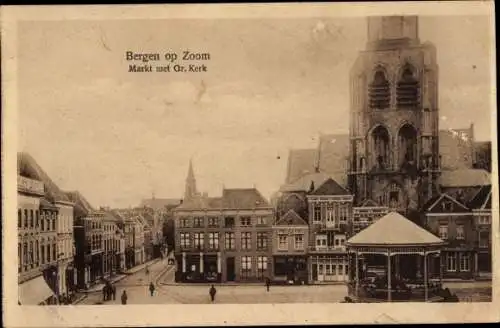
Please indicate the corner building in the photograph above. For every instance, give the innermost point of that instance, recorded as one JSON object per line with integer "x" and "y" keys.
{"x": 394, "y": 148}
{"x": 221, "y": 239}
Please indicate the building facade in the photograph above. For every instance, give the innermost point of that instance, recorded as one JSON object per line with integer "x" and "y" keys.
{"x": 290, "y": 240}
{"x": 222, "y": 238}
{"x": 466, "y": 228}
{"x": 65, "y": 247}
{"x": 330, "y": 220}
{"x": 37, "y": 241}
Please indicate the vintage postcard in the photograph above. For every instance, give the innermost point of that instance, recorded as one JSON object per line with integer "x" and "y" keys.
{"x": 191, "y": 165}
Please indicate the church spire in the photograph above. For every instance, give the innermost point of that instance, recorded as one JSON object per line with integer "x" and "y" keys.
{"x": 190, "y": 191}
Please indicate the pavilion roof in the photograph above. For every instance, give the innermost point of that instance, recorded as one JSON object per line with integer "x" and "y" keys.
{"x": 395, "y": 230}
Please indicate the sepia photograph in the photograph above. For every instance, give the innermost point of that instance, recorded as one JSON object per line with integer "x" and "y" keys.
{"x": 223, "y": 160}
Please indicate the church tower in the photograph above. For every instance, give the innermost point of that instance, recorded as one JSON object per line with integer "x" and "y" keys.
{"x": 190, "y": 191}
{"x": 394, "y": 151}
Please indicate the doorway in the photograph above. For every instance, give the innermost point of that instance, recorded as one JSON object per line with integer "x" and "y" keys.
{"x": 230, "y": 269}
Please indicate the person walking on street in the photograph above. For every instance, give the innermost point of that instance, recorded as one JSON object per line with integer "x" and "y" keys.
{"x": 212, "y": 293}
{"x": 268, "y": 283}
{"x": 105, "y": 293}
{"x": 113, "y": 291}
{"x": 152, "y": 288}
{"x": 124, "y": 297}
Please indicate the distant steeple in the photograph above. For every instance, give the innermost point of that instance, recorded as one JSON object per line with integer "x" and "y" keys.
{"x": 190, "y": 191}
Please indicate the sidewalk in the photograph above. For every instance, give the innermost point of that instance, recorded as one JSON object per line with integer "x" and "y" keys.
{"x": 141, "y": 266}
{"x": 98, "y": 287}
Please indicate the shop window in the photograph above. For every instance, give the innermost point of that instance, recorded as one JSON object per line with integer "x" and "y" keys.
{"x": 464, "y": 262}
{"x": 246, "y": 267}
{"x": 261, "y": 266}
{"x": 451, "y": 262}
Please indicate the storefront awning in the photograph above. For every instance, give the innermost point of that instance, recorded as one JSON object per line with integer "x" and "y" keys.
{"x": 34, "y": 291}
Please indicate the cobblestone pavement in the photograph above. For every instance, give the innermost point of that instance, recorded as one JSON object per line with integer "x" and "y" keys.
{"x": 137, "y": 284}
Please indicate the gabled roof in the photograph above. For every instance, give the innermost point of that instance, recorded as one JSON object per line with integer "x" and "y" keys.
{"x": 28, "y": 167}
{"x": 330, "y": 187}
{"x": 243, "y": 198}
{"x": 465, "y": 178}
{"x": 305, "y": 182}
{"x": 82, "y": 206}
{"x": 435, "y": 208}
{"x": 200, "y": 202}
{"x": 300, "y": 162}
{"x": 160, "y": 203}
{"x": 332, "y": 156}
{"x": 291, "y": 218}
{"x": 393, "y": 229}
{"x": 369, "y": 203}
{"x": 47, "y": 204}
{"x": 247, "y": 198}
{"x": 482, "y": 200}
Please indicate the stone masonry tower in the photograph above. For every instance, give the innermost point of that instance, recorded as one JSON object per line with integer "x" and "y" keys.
{"x": 394, "y": 151}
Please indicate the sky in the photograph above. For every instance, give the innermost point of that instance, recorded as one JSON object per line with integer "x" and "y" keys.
{"x": 271, "y": 85}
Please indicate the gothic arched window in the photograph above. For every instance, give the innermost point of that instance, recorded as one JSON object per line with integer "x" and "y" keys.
{"x": 407, "y": 147}
{"x": 379, "y": 91}
{"x": 380, "y": 141}
{"x": 408, "y": 90}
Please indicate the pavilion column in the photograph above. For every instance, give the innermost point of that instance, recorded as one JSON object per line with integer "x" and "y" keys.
{"x": 441, "y": 264}
{"x": 357, "y": 274}
{"x": 389, "y": 274}
{"x": 476, "y": 265}
{"x": 425, "y": 277}
{"x": 396, "y": 260}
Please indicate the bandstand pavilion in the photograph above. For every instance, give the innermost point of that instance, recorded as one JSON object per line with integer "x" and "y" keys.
{"x": 402, "y": 248}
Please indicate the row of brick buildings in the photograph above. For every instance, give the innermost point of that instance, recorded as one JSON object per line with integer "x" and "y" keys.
{"x": 66, "y": 245}
{"x": 396, "y": 158}
{"x": 301, "y": 236}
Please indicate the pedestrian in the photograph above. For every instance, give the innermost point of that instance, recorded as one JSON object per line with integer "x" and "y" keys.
{"x": 104, "y": 293}
{"x": 124, "y": 297}
{"x": 113, "y": 291}
{"x": 151, "y": 288}
{"x": 212, "y": 293}
{"x": 268, "y": 283}
{"x": 147, "y": 270}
